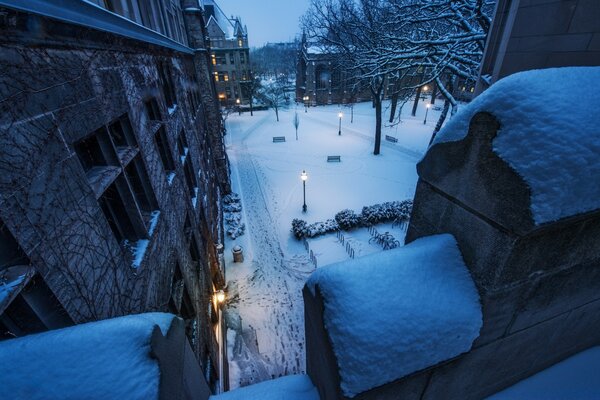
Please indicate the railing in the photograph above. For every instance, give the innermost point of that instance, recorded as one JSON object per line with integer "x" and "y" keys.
{"x": 342, "y": 239}
{"x": 385, "y": 240}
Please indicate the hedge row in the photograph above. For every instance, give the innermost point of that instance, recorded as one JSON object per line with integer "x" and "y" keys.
{"x": 348, "y": 219}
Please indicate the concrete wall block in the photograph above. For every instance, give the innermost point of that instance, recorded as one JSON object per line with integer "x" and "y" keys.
{"x": 490, "y": 368}
{"x": 550, "y": 18}
{"x": 557, "y": 293}
{"x": 483, "y": 247}
{"x": 321, "y": 364}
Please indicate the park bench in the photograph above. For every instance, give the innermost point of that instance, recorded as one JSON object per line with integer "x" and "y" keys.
{"x": 278, "y": 139}
{"x": 334, "y": 158}
{"x": 391, "y": 139}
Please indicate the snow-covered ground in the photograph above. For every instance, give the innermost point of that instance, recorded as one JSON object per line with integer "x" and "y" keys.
{"x": 265, "y": 311}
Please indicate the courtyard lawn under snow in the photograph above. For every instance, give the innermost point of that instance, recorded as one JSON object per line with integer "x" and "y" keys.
{"x": 265, "y": 306}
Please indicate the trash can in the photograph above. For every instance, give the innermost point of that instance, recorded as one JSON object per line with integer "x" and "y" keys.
{"x": 238, "y": 253}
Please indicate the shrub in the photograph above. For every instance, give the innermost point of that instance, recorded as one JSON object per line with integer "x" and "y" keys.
{"x": 320, "y": 228}
{"x": 298, "y": 228}
{"x": 347, "y": 219}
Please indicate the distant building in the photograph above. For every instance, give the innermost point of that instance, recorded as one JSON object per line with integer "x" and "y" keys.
{"x": 532, "y": 35}
{"x": 112, "y": 169}
{"x": 229, "y": 52}
{"x": 320, "y": 80}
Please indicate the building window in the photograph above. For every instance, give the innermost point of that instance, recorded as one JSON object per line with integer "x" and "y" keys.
{"x": 114, "y": 168}
{"x": 164, "y": 151}
{"x": 220, "y": 59}
{"x": 216, "y": 76}
{"x": 190, "y": 179}
{"x": 214, "y": 59}
{"x": 11, "y": 253}
{"x": 231, "y": 59}
{"x": 165, "y": 76}
{"x": 242, "y": 58}
{"x": 139, "y": 182}
{"x": 233, "y": 76}
{"x": 34, "y": 309}
{"x": 240, "y": 43}
{"x": 153, "y": 110}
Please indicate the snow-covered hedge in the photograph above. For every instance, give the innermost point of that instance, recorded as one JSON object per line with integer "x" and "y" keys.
{"x": 388, "y": 211}
{"x": 348, "y": 219}
{"x": 232, "y": 208}
{"x": 299, "y": 228}
{"x": 321, "y": 228}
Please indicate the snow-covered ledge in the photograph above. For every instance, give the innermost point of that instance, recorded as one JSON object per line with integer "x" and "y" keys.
{"x": 143, "y": 356}
{"x": 388, "y": 315}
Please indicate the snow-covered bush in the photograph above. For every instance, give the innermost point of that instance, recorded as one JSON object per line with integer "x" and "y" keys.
{"x": 298, "y": 228}
{"x": 320, "y": 228}
{"x": 388, "y": 211}
{"x": 231, "y": 198}
{"x": 232, "y": 208}
{"x": 347, "y": 219}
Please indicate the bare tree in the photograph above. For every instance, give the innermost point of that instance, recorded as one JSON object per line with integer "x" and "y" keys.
{"x": 273, "y": 94}
{"x": 296, "y": 123}
{"x": 407, "y": 42}
{"x": 250, "y": 88}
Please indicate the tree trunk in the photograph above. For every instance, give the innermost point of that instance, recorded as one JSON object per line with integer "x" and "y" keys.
{"x": 251, "y": 107}
{"x": 416, "y": 103}
{"x": 352, "y": 113}
{"x": 440, "y": 121}
{"x": 277, "y": 113}
{"x": 394, "y": 105}
{"x": 378, "y": 117}
{"x": 433, "y": 92}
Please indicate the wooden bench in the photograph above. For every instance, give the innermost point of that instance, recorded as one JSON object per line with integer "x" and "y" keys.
{"x": 334, "y": 159}
{"x": 278, "y": 139}
{"x": 391, "y": 139}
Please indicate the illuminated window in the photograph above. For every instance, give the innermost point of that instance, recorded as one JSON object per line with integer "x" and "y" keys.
{"x": 225, "y": 77}
{"x": 214, "y": 60}
{"x": 240, "y": 43}
{"x": 472, "y": 90}
{"x": 216, "y": 77}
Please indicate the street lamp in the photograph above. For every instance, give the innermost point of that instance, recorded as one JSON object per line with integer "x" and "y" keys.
{"x": 237, "y": 101}
{"x": 220, "y": 296}
{"x": 304, "y": 177}
{"x": 426, "y": 111}
{"x": 340, "y": 115}
{"x": 305, "y": 98}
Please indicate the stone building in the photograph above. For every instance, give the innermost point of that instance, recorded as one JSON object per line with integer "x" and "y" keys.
{"x": 528, "y": 35}
{"x": 229, "y": 52}
{"x": 321, "y": 80}
{"x": 112, "y": 169}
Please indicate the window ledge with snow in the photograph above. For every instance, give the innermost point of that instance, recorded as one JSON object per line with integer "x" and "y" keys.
{"x": 396, "y": 312}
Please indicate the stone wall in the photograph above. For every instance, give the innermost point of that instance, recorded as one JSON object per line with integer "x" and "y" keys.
{"x": 539, "y": 285}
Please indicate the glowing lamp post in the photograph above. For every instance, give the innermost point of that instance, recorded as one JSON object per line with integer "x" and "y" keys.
{"x": 426, "y": 111}
{"x": 237, "y": 102}
{"x": 340, "y": 131}
{"x": 304, "y": 177}
{"x": 305, "y": 98}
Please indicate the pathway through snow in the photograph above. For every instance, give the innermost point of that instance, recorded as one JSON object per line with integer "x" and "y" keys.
{"x": 265, "y": 309}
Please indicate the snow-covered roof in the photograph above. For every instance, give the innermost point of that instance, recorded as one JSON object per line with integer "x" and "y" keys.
{"x": 292, "y": 387}
{"x": 549, "y": 133}
{"x": 219, "y": 18}
{"x": 396, "y": 312}
{"x": 91, "y": 15}
{"x": 107, "y": 359}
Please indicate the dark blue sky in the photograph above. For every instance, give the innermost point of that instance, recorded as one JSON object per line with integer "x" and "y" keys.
{"x": 267, "y": 20}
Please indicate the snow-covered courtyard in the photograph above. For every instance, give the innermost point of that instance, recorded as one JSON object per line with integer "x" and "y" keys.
{"x": 265, "y": 312}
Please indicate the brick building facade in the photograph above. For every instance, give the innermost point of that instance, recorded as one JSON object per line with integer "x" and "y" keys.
{"x": 112, "y": 169}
